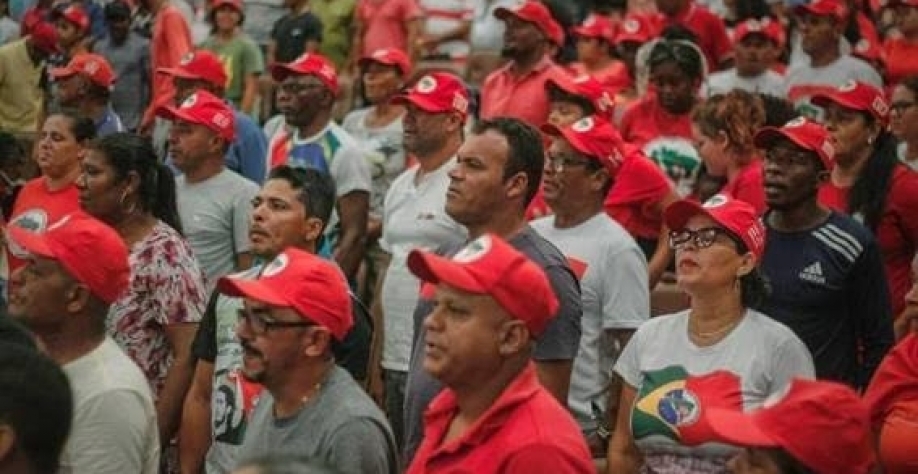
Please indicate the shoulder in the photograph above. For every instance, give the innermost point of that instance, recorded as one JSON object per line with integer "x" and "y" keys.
{"x": 661, "y": 324}
{"x": 904, "y": 188}
{"x": 770, "y": 331}
{"x": 844, "y": 235}
{"x": 538, "y": 248}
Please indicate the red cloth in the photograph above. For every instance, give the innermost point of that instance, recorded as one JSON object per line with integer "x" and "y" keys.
{"x": 749, "y": 186}
{"x": 613, "y": 77}
{"x": 708, "y": 27}
{"x": 893, "y": 401}
{"x": 646, "y": 120}
{"x": 505, "y": 94}
{"x": 897, "y": 234}
{"x": 635, "y": 200}
{"x": 524, "y": 430}
{"x": 385, "y": 24}
{"x": 171, "y": 41}
{"x": 36, "y": 208}
{"x": 900, "y": 55}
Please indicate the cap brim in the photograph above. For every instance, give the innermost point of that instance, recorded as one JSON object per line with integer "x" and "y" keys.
{"x": 431, "y": 268}
{"x": 567, "y": 134}
{"x": 584, "y": 32}
{"x": 419, "y": 102}
{"x": 767, "y": 137}
{"x": 738, "y": 428}
{"x": 826, "y": 99}
{"x": 32, "y": 242}
{"x": 253, "y": 289}
{"x": 280, "y": 71}
{"x": 177, "y": 72}
{"x": 678, "y": 213}
{"x": 62, "y": 72}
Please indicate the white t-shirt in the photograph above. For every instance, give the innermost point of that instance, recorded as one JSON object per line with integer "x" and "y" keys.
{"x": 615, "y": 295}
{"x": 114, "y": 422}
{"x": 443, "y": 16}
{"x": 803, "y": 81}
{"x": 769, "y": 82}
{"x": 385, "y": 153}
{"x": 487, "y": 31}
{"x": 414, "y": 218}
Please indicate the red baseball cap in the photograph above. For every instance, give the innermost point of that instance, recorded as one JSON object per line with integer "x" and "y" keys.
{"x": 856, "y": 95}
{"x": 490, "y": 266}
{"x": 824, "y": 425}
{"x": 834, "y": 8}
{"x": 803, "y": 132}
{"x": 309, "y": 64}
{"x": 91, "y": 251}
{"x": 236, "y": 4}
{"x": 437, "y": 92}
{"x": 594, "y": 137}
{"x": 388, "y": 57}
{"x": 44, "y": 37}
{"x": 596, "y": 26}
{"x": 200, "y": 65}
{"x": 95, "y": 67}
{"x": 738, "y": 217}
{"x": 587, "y": 87}
{"x": 532, "y": 11}
{"x": 772, "y": 30}
{"x": 634, "y": 28}
{"x": 310, "y": 285}
{"x": 203, "y": 108}
{"x": 75, "y": 14}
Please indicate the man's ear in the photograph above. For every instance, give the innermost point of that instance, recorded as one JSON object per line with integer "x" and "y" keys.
{"x": 514, "y": 337}
{"x": 317, "y": 342}
{"x": 516, "y": 185}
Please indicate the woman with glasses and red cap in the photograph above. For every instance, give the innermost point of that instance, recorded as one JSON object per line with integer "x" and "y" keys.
{"x": 868, "y": 181}
{"x": 666, "y": 367}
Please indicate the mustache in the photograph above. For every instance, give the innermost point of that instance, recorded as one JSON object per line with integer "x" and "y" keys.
{"x": 248, "y": 348}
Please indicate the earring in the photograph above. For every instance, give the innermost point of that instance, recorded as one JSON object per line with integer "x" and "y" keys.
{"x": 130, "y": 210}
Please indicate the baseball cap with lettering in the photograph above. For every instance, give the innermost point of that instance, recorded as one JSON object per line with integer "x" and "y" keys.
{"x": 596, "y": 26}
{"x": 834, "y": 8}
{"x": 803, "y": 132}
{"x": 203, "y": 108}
{"x": 535, "y": 12}
{"x": 388, "y": 57}
{"x": 737, "y": 217}
{"x": 587, "y": 87}
{"x": 596, "y": 138}
{"x": 95, "y": 67}
{"x": 310, "y": 285}
{"x": 308, "y": 64}
{"x": 200, "y": 65}
{"x": 490, "y": 266}
{"x": 437, "y": 92}
{"x": 856, "y": 95}
{"x": 771, "y": 30}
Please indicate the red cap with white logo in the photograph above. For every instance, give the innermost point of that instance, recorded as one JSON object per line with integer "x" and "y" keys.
{"x": 203, "y": 108}
{"x": 587, "y": 87}
{"x": 803, "y": 132}
{"x": 772, "y": 30}
{"x": 858, "y": 96}
{"x": 535, "y": 12}
{"x": 201, "y": 65}
{"x": 388, "y": 57}
{"x": 737, "y": 217}
{"x": 309, "y": 64}
{"x": 437, "y": 92}
{"x": 93, "y": 66}
{"x": 833, "y": 8}
{"x": 596, "y": 26}
{"x": 595, "y": 138}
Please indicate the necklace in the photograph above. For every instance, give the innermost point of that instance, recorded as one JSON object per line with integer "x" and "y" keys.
{"x": 715, "y": 333}
{"x": 311, "y": 394}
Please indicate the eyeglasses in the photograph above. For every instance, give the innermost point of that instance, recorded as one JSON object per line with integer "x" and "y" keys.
{"x": 901, "y": 107}
{"x": 558, "y": 163}
{"x": 701, "y": 238}
{"x": 261, "y": 325}
{"x": 789, "y": 157}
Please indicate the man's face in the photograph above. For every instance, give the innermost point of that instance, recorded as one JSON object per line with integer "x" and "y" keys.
{"x": 424, "y": 133}
{"x": 675, "y": 90}
{"x": 569, "y": 179}
{"x": 268, "y": 357}
{"x": 463, "y": 336}
{"x": 39, "y": 292}
{"x": 520, "y": 37}
{"x": 118, "y": 28}
{"x": 818, "y": 33}
{"x": 280, "y": 220}
{"x": 792, "y": 176}
{"x": 477, "y": 185}
{"x": 69, "y": 90}
{"x": 191, "y": 144}
{"x": 753, "y": 55}
{"x": 302, "y": 98}
{"x": 67, "y": 33}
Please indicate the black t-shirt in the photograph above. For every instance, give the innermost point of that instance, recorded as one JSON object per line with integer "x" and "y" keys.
{"x": 291, "y": 33}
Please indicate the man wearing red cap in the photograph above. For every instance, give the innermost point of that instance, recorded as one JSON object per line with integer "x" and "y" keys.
{"x": 494, "y": 416}
{"x": 307, "y": 90}
{"x": 498, "y": 170}
{"x": 756, "y": 46}
{"x": 581, "y": 166}
{"x": 518, "y": 89}
{"x": 822, "y": 24}
{"x": 825, "y": 269}
{"x": 21, "y": 69}
{"x": 213, "y": 202}
{"x": 72, "y": 25}
{"x": 79, "y": 267}
{"x": 203, "y": 70}
{"x": 86, "y": 84}
{"x": 294, "y": 312}
{"x": 414, "y": 216}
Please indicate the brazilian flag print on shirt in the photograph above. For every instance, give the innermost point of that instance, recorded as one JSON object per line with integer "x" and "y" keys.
{"x": 672, "y": 404}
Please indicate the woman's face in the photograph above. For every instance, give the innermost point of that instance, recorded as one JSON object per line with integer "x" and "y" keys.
{"x": 59, "y": 152}
{"x": 712, "y": 152}
{"x": 590, "y": 49}
{"x": 676, "y": 91}
{"x": 380, "y": 81}
{"x": 753, "y": 461}
{"x": 904, "y": 114}
{"x": 102, "y": 194}
{"x": 851, "y": 132}
{"x": 700, "y": 266}
{"x": 226, "y": 18}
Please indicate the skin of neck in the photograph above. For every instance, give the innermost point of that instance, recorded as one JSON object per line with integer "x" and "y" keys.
{"x": 474, "y": 398}
{"x": 433, "y": 161}
{"x": 133, "y": 227}
{"x": 93, "y": 108}
{"x": 318, "y": 123}
{"x": 828, "y": 56}
{"x": 525, "y": 61}
{"x": 505, "y": 223}
{"x": 66, "y": 179}
{"x": 208, "y": 169}
{"x": 597, "y": 63}
{"x": 716, "y": 308}
{"x": 570, "y": 214}
{"x": 289, "y": 393}
{"x": 71, "y": 341}
{"x": 802, "y": 217}
{"x": 845, "y": 173}
{"x": 911, "y": 148}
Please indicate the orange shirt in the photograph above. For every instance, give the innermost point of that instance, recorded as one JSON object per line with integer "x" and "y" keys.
{"x": 613, "y": 77}
{"x": 749, "y": 186}
{"x": 35, "y": 209}
{"x": 524, "y": 97}
{"x": 636, "y": 197}
{"x": 900, "y": 55}
{"x": 171, "y": 41}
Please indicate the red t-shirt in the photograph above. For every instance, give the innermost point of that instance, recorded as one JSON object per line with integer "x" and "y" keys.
{"x": 35, "y": 209}
{"x": 170, "y": 42}
{"x": 749, "y": 186}
{"x": 897, "y": 233}
{"x": 635, "y": 200}
{"x": 901, "y": 62}
{"x": 613, "y": 77}
{"x": 386, "y": 23}
{"x": 524, "y": 97}
{"x": 893, "y": 401}
{"x": 524, "y": 430}
{"x": 708, "y": 27}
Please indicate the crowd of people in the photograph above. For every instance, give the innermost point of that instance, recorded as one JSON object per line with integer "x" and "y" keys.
{"x": 438, "y": 236}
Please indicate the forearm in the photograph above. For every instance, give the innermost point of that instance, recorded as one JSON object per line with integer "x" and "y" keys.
{"x": 195, "y": 433}
{"x": 247, "y": 102}
{"x": 350, "y": 248}
{"x": 172, "y": 397}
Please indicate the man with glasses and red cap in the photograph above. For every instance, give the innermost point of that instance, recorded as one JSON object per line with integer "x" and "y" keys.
{"x": 825, "y": 269}
{"x": 492, "y": 302}
{"x": 214, "y": 203}
{"x": 77, "y": 269}
{"x": 294, "y": 312}
{"x": 86, "y": 84}
{"x": 306, "y": 92}
{"x": 518, "y": 88}
{"x": 581, "y": 167}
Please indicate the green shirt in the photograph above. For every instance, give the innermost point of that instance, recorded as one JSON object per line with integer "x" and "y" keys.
{"x": 240, "y": 57}
{"x": 337, "y": 17}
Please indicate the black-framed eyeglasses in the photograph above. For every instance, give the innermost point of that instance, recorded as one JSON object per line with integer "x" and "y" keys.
{"x": 901, "y": 106}
{"x": 260, "y": 324}
{"x": 557, "y": 163}
{"x": 701, "y": 238}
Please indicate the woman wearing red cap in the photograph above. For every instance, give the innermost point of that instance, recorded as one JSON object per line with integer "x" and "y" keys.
{"x": 237, "y": 51}
{"x": 900, "y": 51}
{"x": 667, "y": 367}
{"x": 724, "y": 127}
{"x": 596, "y": 54}
{"x": 868, "y": 181}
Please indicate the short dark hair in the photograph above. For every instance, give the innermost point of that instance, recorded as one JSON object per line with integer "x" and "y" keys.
{"x": 36, "y": 401}
{"x": 778, "y": 111}
{"x": 83, "y": 128}
{"x": 754, "y": 286}
{"x": 316, "y": 189}
{"x": 685, "y": 55}
{"x": 525, "y": 153}
{"x": 556, "y": 94}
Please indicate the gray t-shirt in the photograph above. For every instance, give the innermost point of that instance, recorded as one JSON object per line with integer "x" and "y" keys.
{"x": 803, "y": 81}
{"x": 762, "y": 354}
{"x": 385, "y": 153}
{"x": 131, "y": 63}
{"x": 560, "y": 341}
{"x": 215, "y": 214}
{"x": 342, "y": 427}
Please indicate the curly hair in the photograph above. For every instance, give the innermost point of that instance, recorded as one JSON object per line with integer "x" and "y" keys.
{"x": 737, "y": 114}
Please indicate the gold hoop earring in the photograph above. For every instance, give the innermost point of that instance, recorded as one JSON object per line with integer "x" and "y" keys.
{"x": 131, "y": 209}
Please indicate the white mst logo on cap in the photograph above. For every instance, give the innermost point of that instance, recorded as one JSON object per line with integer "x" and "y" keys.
{"x": 631, "y": 25}
{"x": 583, "y": 125}
{"x": 187, "y": 58}
{"x": 716, "y": 200}
{"x": 276, "y": 266}
{"x": 797, "y": 122}
{"x": 190, "y": 101}
{"x": 474, "y": 250}
{"x": 847, "y": 86}
{"x": 426, "y": 85}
